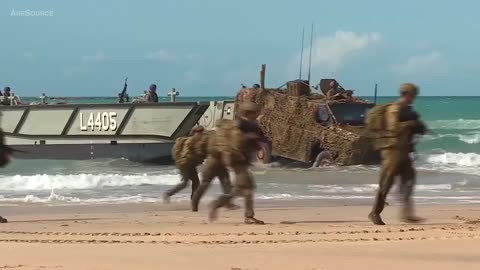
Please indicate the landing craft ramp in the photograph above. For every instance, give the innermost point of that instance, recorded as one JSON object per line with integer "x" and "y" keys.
{"x": 135, "y": 131}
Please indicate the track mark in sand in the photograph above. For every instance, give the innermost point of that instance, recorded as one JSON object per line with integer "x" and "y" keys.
{"x": 233, "y": 242}
{"x": 283, "y": 233}
{"x": 467, "y": 220}
{"x": 29, "y": 266}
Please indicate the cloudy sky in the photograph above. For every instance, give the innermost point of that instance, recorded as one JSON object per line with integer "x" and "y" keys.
{"x": 210, "y": 47}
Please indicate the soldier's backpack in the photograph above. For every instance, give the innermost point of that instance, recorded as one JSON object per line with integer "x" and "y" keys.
{"x": 375, "y": 118}
{"x": 178, "y": 148}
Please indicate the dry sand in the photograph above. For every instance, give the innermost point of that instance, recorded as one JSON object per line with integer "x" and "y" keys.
{"x": 154, "y": 236}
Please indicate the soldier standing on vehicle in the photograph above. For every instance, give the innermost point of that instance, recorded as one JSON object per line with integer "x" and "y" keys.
{"x": 233, "y": 147}
{"x": 333, "y": 92}
{"x": 395, "y": 144}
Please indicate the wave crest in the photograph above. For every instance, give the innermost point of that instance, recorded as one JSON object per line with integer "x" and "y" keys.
{"x": 83, "y": 181}
{"x": 455, "y": 124}
{"x": 456, "y": 159}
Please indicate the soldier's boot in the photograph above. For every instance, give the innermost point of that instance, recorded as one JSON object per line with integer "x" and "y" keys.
{"x": 249, "y": 213}
{"x": 376, "y": 219}
{"x": 378, "y": 206}
{"x": 169, "y": 193}
{"x": 252, "y": 220}
{"x": 408, "y": 215}
{"x": 3, "y": 220}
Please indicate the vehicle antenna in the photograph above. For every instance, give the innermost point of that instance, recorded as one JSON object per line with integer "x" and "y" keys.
{"x": 301, "y": 55}
{"x": 310, "y": 57}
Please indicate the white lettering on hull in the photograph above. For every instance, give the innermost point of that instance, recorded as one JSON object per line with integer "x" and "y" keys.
{"x": 101, "y": 121}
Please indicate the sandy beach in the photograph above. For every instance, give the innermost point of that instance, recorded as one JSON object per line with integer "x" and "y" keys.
{"x": 156, "y": 236}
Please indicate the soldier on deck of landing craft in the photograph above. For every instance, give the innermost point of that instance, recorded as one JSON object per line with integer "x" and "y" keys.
{"x": 395, "y": 145}
{"x": 232, "y": 146}
{"x": 152, "y": 94}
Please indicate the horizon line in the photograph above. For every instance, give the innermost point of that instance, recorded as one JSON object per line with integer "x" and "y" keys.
{"x": 78, "y": 97}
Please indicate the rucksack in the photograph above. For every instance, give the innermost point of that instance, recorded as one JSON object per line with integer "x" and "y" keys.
{"x": 178, "y": 148}
{"x": 375, "y": 119}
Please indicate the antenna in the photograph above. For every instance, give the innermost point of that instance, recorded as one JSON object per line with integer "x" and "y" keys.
{"x": 310, "y": 58}
{"x": 301, "y": 56}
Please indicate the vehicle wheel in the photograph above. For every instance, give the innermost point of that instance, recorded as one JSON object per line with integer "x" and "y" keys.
{"x": 264, "y": 154}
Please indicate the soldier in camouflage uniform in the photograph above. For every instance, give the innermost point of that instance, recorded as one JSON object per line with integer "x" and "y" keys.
{"x": 232, "y": 146}
{"x": 401, "y": 124}
{"x": 188, "y": 153}
{"x": 5, "y": 153}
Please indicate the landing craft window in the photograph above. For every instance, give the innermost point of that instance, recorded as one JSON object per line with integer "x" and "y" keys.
{"x": 348, "y": 113}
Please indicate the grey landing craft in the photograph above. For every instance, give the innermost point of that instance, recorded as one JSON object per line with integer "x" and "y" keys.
{"x": 135, "y": 131}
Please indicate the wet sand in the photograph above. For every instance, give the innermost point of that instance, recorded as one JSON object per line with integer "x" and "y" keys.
{"x": 155, "y": 236}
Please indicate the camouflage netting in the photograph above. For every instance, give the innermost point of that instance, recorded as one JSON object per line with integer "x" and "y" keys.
{"x": 289, "y": 123}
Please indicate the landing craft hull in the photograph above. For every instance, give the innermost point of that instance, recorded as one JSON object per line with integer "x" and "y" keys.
{"x": 137, "y": 132}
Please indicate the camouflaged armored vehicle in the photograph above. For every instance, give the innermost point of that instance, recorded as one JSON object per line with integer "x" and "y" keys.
{"x": 299, "y": 122}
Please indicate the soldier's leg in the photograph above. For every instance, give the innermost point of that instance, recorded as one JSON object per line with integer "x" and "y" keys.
{"x": 195, "y": 181}
{"x": 387, "y": 177}
{"x": 407, "y": 185}
{"x": 185, "y": 174}
{"x": 208, "y": 173}
{"x": 224, "y": 177}
{"x": 221, "y": 201}
{"x": 245, "y": 187}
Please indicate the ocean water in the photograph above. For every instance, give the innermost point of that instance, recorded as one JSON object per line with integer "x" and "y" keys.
{"x": 448, "y": 163}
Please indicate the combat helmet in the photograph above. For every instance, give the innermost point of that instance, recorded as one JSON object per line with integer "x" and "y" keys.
{"x": 409, "y": 88}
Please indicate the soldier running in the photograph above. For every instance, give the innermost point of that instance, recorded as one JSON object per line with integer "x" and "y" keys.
{"x": 188, "y": 153}
{"x": 5, "y": 153}
{"x": 233, "y": 145}
{"x": 401, "y": 124}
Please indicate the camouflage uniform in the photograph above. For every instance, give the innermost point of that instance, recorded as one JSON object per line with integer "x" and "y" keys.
{"x": 395, "y": 148}
{"x": 5, "y": 152}
{"x": 232, "y": 147}
{"x": 188, "y": 153}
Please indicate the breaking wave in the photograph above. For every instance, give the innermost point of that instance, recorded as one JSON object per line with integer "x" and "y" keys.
{"x": 82, "y": 181}
{"x": 466, "y": 138}
{"x": 455, "y": 159}
{"x": 455, "y": 124}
